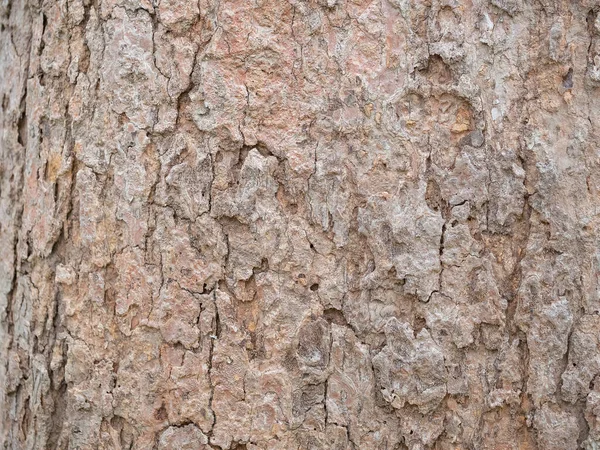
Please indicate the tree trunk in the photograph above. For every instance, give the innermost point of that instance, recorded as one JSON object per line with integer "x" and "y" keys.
{"x": 302, "y": 224}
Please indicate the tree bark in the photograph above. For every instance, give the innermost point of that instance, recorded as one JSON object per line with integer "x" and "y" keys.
{"x": 301, "y": 224}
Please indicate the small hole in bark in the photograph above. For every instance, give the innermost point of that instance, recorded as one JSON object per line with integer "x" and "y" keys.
{"x": 568, "y": 79}
{"x": 333, "y": 315}
{"x": 22, "y": 129}
{"x": 263, "y": 150}
{"x": 433, "y": 195}
{"x": 314, "y": 287}
{"x": 419, "y": 324}
{"x": 160, "y": 413}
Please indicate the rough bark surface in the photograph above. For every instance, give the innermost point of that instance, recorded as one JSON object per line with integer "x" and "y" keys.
{"x": 299, "y": 224}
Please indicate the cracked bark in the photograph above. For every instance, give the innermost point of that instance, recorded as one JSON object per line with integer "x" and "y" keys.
{"x": 287, "y": 225}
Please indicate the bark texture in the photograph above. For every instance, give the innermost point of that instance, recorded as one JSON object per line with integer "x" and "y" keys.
{"x": 299, "y": 224}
